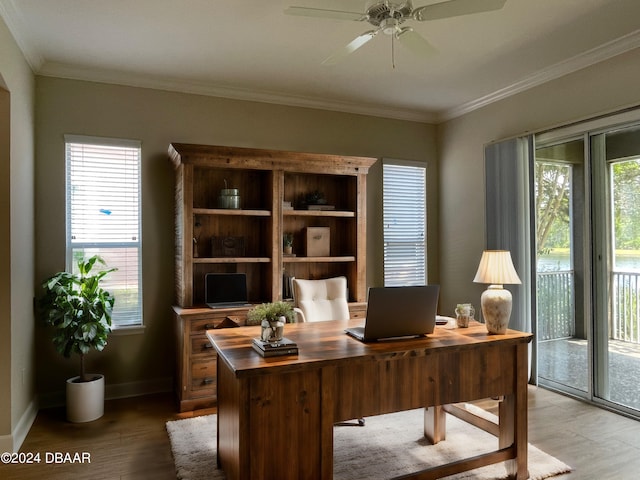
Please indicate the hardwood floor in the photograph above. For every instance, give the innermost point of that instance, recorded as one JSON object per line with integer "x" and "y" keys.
{"x": 130, "y": 442}
{"x": 598, "y": 444}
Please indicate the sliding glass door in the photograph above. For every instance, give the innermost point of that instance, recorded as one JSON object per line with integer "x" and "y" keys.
{"x": 587, "y": 217}
{"x": 562, "y": 328}
{"x": 616, "y": 159}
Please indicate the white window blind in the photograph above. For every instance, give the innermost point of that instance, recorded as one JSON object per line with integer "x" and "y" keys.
{"x": 404, "y": 217}
{"x": 103, "y": 217}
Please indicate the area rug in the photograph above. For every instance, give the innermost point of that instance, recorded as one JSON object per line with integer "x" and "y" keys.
{"x": 386, "y": 447}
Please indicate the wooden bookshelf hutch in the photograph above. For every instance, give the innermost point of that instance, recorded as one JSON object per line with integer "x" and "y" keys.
{"x": 274, "y": 187}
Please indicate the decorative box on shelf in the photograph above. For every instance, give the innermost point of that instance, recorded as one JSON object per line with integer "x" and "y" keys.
{"x": 317, "y": 240}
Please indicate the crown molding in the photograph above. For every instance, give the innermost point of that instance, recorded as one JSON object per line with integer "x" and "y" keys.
{"x": 560, "y": 69}
{"x": 73, "y": 72}
{"x": 13, "y": 19}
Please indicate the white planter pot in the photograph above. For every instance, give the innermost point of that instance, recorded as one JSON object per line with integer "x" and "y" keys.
{"x": 85, "y": 400}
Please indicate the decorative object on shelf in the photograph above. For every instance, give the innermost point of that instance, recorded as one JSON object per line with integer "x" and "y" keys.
{"x": 197, "y": 230}
{"x": 496, "y": 268}
{"x": 464, "y": 313}
{"x": 318, "y": 241}
{"x": 271, "y": 317}
{"x": 229, "y": 197}
{"x": 286, "y": 205}
{"x": 287, "y": 243}
{"x": 79, "y": 310}
{"x": 227, "y": 246}
{"x": 316, "y": 201}
{"x": 315, "y": 198}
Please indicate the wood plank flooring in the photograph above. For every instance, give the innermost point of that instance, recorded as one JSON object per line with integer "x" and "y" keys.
{"x": 130, "y": 442}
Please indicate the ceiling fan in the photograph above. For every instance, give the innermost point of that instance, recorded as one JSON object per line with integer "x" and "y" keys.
{"x": 388, "y": 16}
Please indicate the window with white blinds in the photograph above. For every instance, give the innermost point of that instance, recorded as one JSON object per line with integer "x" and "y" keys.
{"x": 103, "y": 217}
{"x": 404, "y": 217}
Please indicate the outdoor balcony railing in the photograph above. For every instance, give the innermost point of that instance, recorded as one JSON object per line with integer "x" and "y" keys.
{"x": 625, "y": 318}
{"x": 555, "y": 305}
{"x": 555, "y": 296}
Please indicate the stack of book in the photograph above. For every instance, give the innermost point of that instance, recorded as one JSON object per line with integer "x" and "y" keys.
{"x": 286, "y": 205}
{"x": 283, "y": 347}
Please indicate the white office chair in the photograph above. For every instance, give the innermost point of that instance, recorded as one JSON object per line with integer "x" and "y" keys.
{"x": 320, "y": 300}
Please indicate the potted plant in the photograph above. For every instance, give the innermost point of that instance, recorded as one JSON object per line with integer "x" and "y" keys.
{"x": 272, "y": 317}
{"x": 287, "y": 241}
{"x": 79, "y": 310}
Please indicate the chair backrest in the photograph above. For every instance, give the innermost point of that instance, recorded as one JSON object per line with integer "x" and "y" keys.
{"x": 318, "y": 300}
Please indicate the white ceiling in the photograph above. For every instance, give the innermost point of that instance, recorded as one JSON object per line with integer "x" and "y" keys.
{"x": 249, "y": 49}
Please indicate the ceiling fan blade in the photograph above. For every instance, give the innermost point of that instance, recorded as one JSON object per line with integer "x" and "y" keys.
{"x": 349, "y": 48}
{"x": 415, "y": 42}
{"x": 322, "y": 13}
{"x": 455, "y": 8}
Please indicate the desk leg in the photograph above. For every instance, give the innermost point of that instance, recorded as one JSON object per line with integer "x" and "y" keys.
{"x": 328, "y": 389}
{"x": 435, "y": 424}
{"x": 513, "y": 419}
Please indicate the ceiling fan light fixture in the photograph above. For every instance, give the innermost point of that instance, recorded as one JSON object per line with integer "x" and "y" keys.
{"x": 389, "y": 26}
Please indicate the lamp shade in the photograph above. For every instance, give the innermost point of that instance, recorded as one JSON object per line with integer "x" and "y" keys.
{"x": 496, "y": 267}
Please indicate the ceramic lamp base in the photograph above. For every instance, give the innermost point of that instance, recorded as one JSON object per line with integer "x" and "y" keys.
{"x": 496, "y": 308}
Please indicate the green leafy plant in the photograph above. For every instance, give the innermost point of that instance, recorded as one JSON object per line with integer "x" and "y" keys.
{"x": 287, "y": 239}
{"x": 271, "y": 312}
{"x": 79, "y": 310}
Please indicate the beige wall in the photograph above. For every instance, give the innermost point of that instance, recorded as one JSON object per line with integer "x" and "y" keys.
{"x": 601, "y": 88}
{"x": 17, "y": 358}
{"x": 158, "y": 118}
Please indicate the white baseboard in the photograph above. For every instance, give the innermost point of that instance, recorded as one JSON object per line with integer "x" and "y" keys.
{"x": 13, "y": 442}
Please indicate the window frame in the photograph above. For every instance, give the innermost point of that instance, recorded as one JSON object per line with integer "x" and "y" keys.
{"x": 70, "y": 246}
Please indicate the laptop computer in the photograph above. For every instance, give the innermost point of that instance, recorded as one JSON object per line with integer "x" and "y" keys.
{"x": 394, "y": 312}
{"x": 223, "y": 290}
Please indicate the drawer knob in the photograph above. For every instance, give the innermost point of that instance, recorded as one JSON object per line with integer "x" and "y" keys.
{"x": 207, "y": 381}
{"x": 207, "y": 345}
{"x": 209, "y": 326}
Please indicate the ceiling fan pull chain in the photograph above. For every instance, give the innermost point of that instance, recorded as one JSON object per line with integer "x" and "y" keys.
{"x": 393, "y": 51}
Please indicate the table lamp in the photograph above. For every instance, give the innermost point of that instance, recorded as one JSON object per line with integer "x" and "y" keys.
{"x": 496, "y": 268}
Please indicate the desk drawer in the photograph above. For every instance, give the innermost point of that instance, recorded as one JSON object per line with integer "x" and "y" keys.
{"x": 203, "y": 377}
{"x": 198, "y": 327}
{"x": 201, "y": 345}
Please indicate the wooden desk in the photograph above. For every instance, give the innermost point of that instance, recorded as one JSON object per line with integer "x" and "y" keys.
{"x": 276, "y": 416}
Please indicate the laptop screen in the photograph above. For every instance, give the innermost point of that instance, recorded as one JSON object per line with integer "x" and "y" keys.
{"x": 399, "y": 312}
{"x": 223, "y": 289}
